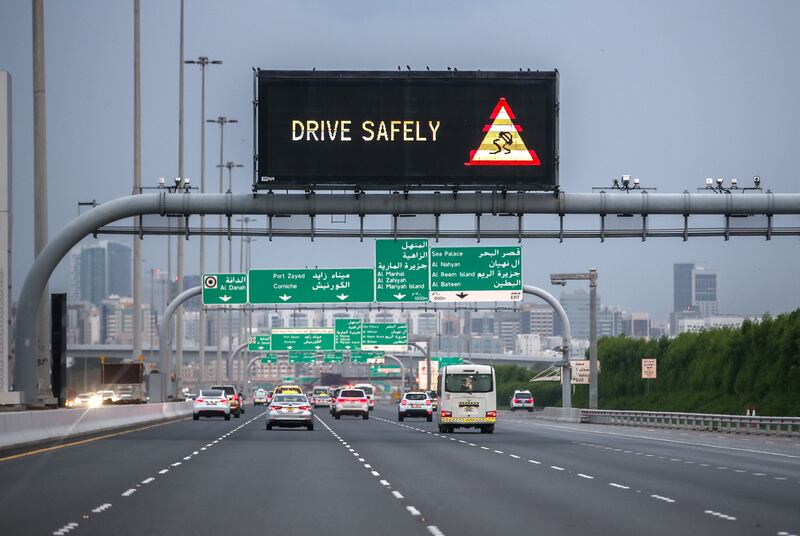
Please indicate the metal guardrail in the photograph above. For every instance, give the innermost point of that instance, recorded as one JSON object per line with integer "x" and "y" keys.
{"x": 739, "y": 424}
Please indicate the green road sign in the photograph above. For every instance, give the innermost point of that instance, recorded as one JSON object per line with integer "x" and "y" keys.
{"x": 302, "y": 357}
{"x": 258, "y": 343}
{"x": 476, "y": 274}
{"x": 384, "y": 370}
{"x": 344, "y": 285}
{"x": 447, "y": 361}
{"x": 390, "y": 337}
{"x": 336, "y": 356}
{"x": 366, "y": 356}
{"x": 224, "y": 289}
{"x": 401, "y": 270}
{"x": 269, "y": 359}
{"x": 347, "y": 334}
{"x": 287, "y": 379}
{"x": 307, "y": 379}
{"x": 302, "y": 339}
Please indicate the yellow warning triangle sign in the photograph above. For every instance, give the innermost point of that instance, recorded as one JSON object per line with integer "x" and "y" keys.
{"x": 502, "y": 145}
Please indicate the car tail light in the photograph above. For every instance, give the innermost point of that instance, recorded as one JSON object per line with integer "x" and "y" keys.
{"x": 491, "y": 414}
{"x": 199, "y": 400}
{"x": 404, "y": 402}
{"x": 362, "y": 400}
{"x": 305, "y": 408}
{"x": 427, "y": 402}
{"x": 341, "y": 400}
{"x": 516, "y": 401}
{"x": 447, "y": 413}
{"x": 273, "y": 406}
{"x": 224, "y": 401}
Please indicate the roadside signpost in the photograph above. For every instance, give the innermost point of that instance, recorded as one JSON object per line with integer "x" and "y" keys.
{"x": 223, "y": 290}
{"x": 649, "y": 368}
{"x": 344, "y": 285}
{"x": 476, "y": 273}
{"x": 389, "y": 369}
{"x": 446, "y": 361}
{"x": 580, "y": 371}
{"x": 401, "y": 270}
{"x": 389, "y": 337}
{"x": 366, "y": 357}
{"x": 297, "y": 339}
{"x": 347, "y": 334}
{"x": 259, "y": 343}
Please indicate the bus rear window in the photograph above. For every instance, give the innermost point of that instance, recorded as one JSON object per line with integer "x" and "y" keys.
{"x": 468, "y": 383}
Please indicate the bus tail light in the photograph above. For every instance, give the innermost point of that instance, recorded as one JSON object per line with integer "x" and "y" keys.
{"x": 491, "y": 414}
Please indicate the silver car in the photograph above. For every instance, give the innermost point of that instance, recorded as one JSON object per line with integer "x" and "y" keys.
{"x": 291, "y": 410}
{"x": 351, "y": 402}
{"x": 211, "y": 403}
{"x": 416, "y": 404}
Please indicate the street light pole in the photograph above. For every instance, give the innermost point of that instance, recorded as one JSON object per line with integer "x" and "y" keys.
{"x": 230, "y": 165}
{"x": 591, "y": 276}
{"x": 203, "y": 62}
{"x": 221, "y": 121}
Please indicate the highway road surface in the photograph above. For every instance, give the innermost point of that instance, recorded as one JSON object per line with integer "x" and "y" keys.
{"x": 353, "y": 477}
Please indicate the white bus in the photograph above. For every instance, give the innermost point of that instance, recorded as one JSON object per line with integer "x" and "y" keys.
{"x": 467, "y": 398}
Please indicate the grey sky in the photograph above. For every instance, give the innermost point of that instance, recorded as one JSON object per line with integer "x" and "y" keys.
{"x": 670, "y": 92}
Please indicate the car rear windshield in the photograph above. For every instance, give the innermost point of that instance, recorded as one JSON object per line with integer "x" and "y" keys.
{"x": 523, "y": 395}
{"x": 290, "y": 398}
{"x": 321, "y": 392}
{"x": 352, "y": 393}
{"x": 416, "y": 396}
{"x": 214, "y": 393}
{"x": 367, "y": 390}
{"x": 228, "y": 390}
{"x": 468, "y": 383}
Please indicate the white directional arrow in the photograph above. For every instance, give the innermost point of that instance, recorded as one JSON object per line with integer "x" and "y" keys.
{"x": 284, "y": 297}
{"x": 399, "y": 296}
{"x": 261, "y": 347}
{"x": 289, "y": 347}
{"x": 342, "y": 296}
{"x": 317, "y": 347}
{"x": 225, "y": 298}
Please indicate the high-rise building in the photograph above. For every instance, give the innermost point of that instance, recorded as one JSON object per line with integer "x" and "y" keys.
{"x": 100, "y": 269}
{"x": 695, "y": 294}
{"x": 427, "y": 324}
{"x": 704, "y": 291}
{"x": 682, "y": 286}
{"x": 576, "y": 305}
{"x": 610, "y": 322}
{"x": 542, "y": 320}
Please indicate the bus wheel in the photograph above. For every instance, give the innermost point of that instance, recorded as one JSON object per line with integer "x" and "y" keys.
{"x": 488, "y": 429}
{"x": 442, "y": 429}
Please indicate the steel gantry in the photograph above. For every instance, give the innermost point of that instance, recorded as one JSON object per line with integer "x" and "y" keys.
{"x": 394, "y": 204}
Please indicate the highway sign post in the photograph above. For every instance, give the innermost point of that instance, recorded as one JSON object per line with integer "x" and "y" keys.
{"x": 259, "y": 343}
{"x": 344, "y": 285}
{"x": 389, "y": 337}
{"x": 297, "y": 339}
{"x": 446, "y": 361}
{"x": 366, "y": 357}
{"x": 222, "y": 290}
{"x": 649, "y": 368}
{"x": 402, "y": 270}
{"x": 384, "y": 370}
{"x": 347, "y": 334}
{"x": 476, "y": 273}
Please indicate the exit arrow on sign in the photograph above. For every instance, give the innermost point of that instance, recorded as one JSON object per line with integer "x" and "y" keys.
{"x": 225, "y": 298}
{"x": 284, "y": 297}
{"x": 399, "y": 296}
{"x": 342, "y": 296}
{"x": 462, "y": 295}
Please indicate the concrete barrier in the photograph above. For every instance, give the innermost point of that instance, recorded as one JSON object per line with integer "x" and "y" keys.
{"x": 556, "y": 414}
{"x": 23, "y": 428}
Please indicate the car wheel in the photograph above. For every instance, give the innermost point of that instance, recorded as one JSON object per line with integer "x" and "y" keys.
{"x": 236, "y": 415}
{"x": 400, "y": 417}
{"x": 227, "y": 416}
{"x": 337, "y": 416}
{"x": 310, "y": 427}
{"x": 269, "y": 425}
{"x": 530, "y": 410}
{"x": 195, "y": 417}
{"x": 430, "y": 418}
{"x": 242, "y": 410}
{"x": 366, "y": 416}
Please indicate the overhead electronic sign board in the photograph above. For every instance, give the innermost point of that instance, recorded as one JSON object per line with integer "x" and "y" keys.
{"x": 416, "y": 130}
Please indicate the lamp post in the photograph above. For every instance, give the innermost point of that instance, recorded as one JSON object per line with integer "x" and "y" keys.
{"x": 221, "y": 121}
{"x": 230, "y": 165}
{"x": 591, "y": 276}
{"x": 203, "y": 62}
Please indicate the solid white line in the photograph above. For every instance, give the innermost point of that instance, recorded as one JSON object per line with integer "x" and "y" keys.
{"x": 397, "y": 495}
{"x": 585, "y": 476}
{"x": 620, "y": 486}
{"x": 413, "y": 511}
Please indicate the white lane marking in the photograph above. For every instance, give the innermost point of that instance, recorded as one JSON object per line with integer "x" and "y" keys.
{"x": 780, "y": 478}
{"x": 176, "y": 464}
{"x": 187, "y": 457}
{"x": 499, "y": 451}
{"x": 739, "y": 471}
{"x": 385, "y": 482}
{"x": 413, "y": 511}
{"x": 664, "y": 440}
{"x": 514, "y": 456}
{"x": 461, "y": 441}
{"x": 557, "y": 468}
{"x": 397, "y": 495}
{"x": 368, "y": 466}
{"x": 375, "y": 473}
{"x": 148, "y": 480}
{"x": 433, "y": 529}
{"x": 203, "y": 448}
{"x": 759, "y": 474}
{"x": 471, "y": 444}
{"x": 535, "y": 462}
{"x": 485, "y": 448}
{"x": 163, "y": 471}
{"x": 662, "y": 498}
{"x": 129, "y": 492}
{"x": 620, "y": 486}
{"x": 720, "y": 515}
{"x": 361, "y": 459}
{"x": 585, "y": 476}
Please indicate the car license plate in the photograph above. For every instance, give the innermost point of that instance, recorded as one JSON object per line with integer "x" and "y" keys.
{"x": 414, "y": 405}
{"x": 290, "y": 410}
{"x": 212, "y": 403}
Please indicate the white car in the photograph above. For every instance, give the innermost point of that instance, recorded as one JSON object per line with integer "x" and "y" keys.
{"x": 369, "y": 390}
{"x": 290, "y": 410}
{"x": 85, "y": 400}
{"x": 212, "y": 403}
{"x": 108, "y": 396}
{"x": 260, "y": 397}
{"x": 351, "y": 402}
{"x": 416, "y": 404}
{"x": 521, "y": 400}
